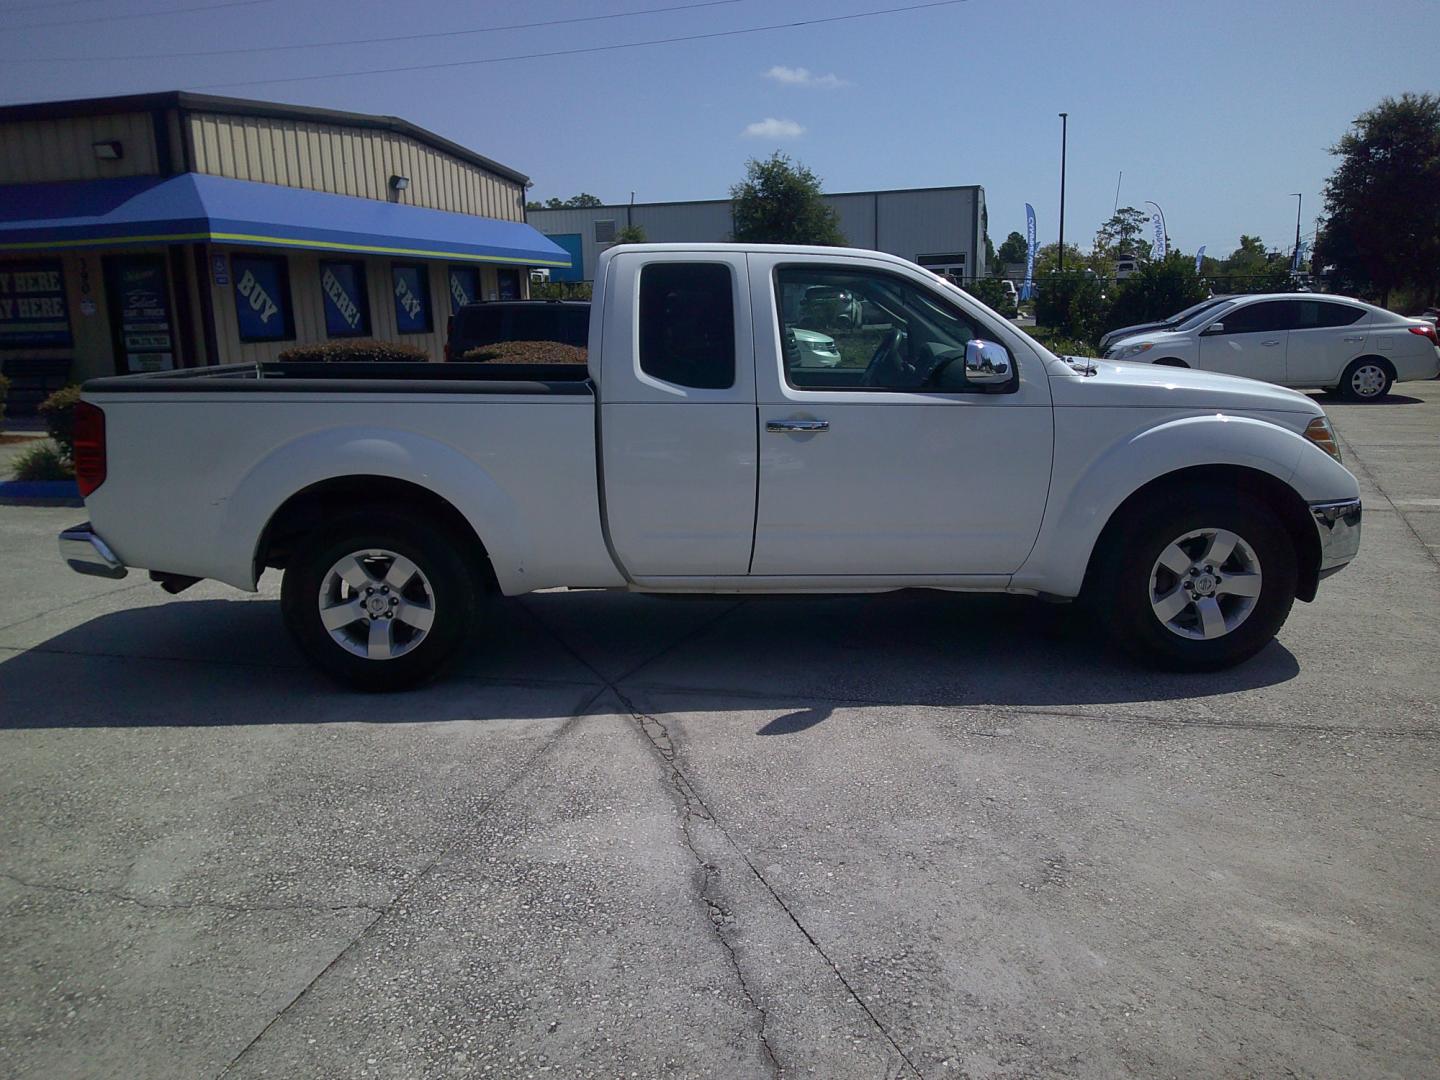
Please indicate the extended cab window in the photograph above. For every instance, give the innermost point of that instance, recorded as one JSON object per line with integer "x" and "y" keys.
{"x": 687, "y": 324}
{"x": 868, "y": 330}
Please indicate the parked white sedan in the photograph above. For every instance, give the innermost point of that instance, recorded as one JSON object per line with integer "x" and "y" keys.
{"x": 1299, "y": 340}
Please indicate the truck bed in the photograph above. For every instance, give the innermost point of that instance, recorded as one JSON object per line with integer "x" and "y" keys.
{"x": 357, "y": 378}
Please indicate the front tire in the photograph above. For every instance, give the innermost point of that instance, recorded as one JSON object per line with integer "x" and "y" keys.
{"x": 1196, "y": 583}
{"x": 378, "y": 602}
{"x": 1366, "y": 379}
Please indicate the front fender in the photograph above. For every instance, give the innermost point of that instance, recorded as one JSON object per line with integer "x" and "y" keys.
{"x": 367, "y": 451}
{"x": 1087, "y": 490}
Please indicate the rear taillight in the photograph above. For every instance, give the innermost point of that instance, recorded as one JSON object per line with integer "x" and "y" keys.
{"x": 1426, "y": 331}
{"x": 89, "y": 447}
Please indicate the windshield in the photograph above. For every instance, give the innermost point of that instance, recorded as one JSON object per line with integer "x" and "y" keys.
{"x": 1204, "y": 316}
{"x": 1196, "y": 309}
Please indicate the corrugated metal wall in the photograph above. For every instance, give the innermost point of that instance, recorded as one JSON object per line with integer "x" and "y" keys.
{"x": 348, "y": 161}
{"x": 908, "y": 223}
{"x": 42, "y": 151}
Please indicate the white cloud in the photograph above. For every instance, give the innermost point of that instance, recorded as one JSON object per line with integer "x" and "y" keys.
{"x": 799, "y": 76}
{"x": 771, "y": 128}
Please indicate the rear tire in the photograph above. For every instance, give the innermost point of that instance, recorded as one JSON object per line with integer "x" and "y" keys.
{"x": 1367, "y": 379}
{"x": 378, "y": 602}
{"x": 1150, "y": 588}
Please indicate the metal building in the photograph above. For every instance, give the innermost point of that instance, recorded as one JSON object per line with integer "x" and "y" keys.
{"x": 942, "y": 228}
{"x": 174, "y": 229}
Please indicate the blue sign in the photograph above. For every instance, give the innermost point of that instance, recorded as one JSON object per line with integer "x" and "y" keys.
{"x": 412, "y": 299}
{"x": 1199, "y": 258}
{"x": 573, "y": 243}
{"x": 347, "y": 311}
{"x": 32, "y": 305}
{"x": 1027, "y": 290}
{"x": 262, "y": 301}
{"x": 464, "y": 286}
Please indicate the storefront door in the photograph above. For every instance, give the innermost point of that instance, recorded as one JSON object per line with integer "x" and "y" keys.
{"x": 142, "y": 324}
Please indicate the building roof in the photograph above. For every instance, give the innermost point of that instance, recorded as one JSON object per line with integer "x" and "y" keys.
{"x": 210, "y": 103}
{"x": 194, "y": 207}
{"x": 715, "y": 202}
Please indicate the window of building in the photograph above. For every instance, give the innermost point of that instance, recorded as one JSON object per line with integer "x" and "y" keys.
{"x": 605, "y": 231}
{"x": 507, "y": 283}
{"x": 347, "y": 305}
{"x": 411, "y": 286}
{"x": 464, "y": 286}
{"x": 33, "y": 311}
{"x": 870, "y": 330}
{"x": 263, "y": 309}
{"x": 687, "y": 324}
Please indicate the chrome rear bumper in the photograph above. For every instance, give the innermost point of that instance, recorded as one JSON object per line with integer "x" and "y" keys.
{"x": 86, "y": 553}
{"x": 1338, "y": 524}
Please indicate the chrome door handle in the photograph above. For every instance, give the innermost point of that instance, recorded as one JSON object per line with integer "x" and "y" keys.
{"x": 1354, "y": 339}
{"x": 1267, "y": 344}
{"x": 784, "y": 426}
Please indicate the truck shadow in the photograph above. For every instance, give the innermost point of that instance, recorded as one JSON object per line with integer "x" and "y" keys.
{"x": 230, "y": 662}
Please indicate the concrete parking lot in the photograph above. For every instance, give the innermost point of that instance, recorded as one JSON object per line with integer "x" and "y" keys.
{"x": 912, "y": 834}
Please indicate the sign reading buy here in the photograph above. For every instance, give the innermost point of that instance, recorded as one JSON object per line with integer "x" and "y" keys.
{"x": 32, "y": 305}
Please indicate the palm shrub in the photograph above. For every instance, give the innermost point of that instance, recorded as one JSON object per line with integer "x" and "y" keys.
{"x": 43, "y": 461}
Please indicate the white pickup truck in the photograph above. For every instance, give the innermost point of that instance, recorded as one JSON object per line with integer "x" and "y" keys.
{"x": 702, "y": 450}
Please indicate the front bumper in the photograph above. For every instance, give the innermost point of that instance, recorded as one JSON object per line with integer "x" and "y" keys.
{"x": 1338, "y": 525}
{"x": 86, "y": 553}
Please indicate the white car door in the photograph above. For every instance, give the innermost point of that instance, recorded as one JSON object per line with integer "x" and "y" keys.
{"x": 677, "y": 414}
{"x": 872, "y": 469}
{"x": 1325, "y": 337}
{"x": 1248, "y": 340}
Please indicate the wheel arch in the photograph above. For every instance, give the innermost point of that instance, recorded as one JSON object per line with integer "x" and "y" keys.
{"x": 1170, "y": 361}
{"x": 313, "y": 505}
{"x": 1239, "y": 480}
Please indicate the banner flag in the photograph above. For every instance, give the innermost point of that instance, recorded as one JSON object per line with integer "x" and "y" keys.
{"x": 1158, "y": 223}
{"x": 1027, "y": 290}
{"x": 1199, "y": 258}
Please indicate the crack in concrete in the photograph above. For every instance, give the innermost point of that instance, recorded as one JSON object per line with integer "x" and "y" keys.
{"x": 424, "y": 872}
{"x": 186, "y": 905}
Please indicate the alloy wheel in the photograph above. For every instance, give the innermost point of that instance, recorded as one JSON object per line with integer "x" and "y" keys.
{"x": 1205, "y": 584}
{"x": 376, "y": 604}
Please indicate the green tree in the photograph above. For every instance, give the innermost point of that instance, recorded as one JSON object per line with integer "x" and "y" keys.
{"x": 630, "y": 234}
{"x": 990, "y": 292}
{"x": 1156, "y": 291}
{"x": 582, "y": 201}
{"x": 779, "y": 202}
{"x": 1014, "y": 248}
{"x": 1123, "y": 234}
{"x": 1381, "y": 229}
{"x": 1048, "y": 259}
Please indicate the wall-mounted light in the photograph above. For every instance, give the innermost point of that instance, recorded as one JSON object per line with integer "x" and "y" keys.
{"x": 108, "y": 151}
{"x": 399, "y": 183}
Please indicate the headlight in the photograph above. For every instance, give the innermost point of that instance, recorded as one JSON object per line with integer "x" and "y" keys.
{"x": 1319, "y": 432}
{"x": 1133, "y": 350}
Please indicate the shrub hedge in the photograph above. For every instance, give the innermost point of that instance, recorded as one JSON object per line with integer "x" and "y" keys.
{"x": 58, "y": 412}
{"x": 354, "y": 350}
{"x": 43, "y": 461}
{"x": 527, "y": 352}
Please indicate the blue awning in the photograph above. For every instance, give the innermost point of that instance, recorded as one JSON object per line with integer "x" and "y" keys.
{"x": 195, "y": 207}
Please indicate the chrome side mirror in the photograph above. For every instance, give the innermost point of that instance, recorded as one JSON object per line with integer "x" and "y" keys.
{"x": 986, "y": 364}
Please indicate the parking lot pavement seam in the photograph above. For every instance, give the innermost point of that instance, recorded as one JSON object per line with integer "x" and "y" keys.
{"x": 423, "y": 873}
{"x": 693, "y": 807}
{"x": 74, "y": 603}
{"x": 183, "y": 905}
{"x": 1041, "y": 711}
{"x": 1357, "y": 464}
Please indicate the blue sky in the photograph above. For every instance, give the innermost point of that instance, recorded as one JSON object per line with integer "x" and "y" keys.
{"x": 1216, "y": 111}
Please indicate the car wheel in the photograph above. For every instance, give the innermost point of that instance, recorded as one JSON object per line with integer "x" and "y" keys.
{"x": 1194, "y": 584}
{"x": 1366, "y": 379}
{"x": 377, "y": 602}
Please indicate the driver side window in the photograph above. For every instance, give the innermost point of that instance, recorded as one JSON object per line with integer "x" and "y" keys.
{"x": 868, "y": 330}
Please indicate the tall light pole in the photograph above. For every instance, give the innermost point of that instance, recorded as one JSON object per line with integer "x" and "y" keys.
{"x": 1064, "y": 128}
{"x": 1295, "y": 259}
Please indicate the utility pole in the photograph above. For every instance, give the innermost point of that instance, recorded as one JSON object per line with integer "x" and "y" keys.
{"x": 1295, "y": 259}
{"x": 1064, "y": 128}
